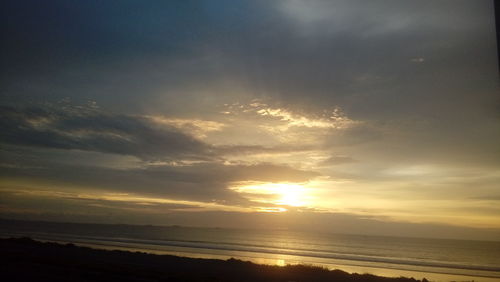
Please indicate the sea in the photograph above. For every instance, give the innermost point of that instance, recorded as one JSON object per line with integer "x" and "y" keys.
{"x": 433, "y": 259}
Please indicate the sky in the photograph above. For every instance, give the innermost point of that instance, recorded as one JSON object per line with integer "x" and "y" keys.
{"x": 368, "y": 117}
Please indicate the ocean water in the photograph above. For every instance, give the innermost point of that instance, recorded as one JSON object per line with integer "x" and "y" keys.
{"x": 434, "y": 259}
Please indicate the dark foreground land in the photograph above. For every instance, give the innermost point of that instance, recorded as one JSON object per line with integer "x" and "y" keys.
{"x": 27, "y": 260}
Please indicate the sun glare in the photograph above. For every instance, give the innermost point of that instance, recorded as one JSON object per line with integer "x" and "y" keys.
{"x": 287, "y": 194}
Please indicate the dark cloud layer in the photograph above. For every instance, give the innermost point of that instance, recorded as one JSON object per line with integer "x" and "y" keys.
{"x": 90, "y": 129}
{"x": 30, "y": 133}
{"x": 202, "y": 182}
{"x": 378, "y": 61}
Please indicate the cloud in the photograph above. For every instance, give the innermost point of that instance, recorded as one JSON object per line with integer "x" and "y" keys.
{"x": 71, "y": 201}
{"x": 328, "y": 119}
{"x": 205, "y": 181}
{"x": 417, "y": 60}
{"x": 337, "y": 160}
{"x": 196, "y": 127}
{"x": 34, "y": 209}
{"x": 487, "y": 198}
{"x": 204, "y": 61}
{"x": 378, "y": 18}
{"x": 90, "y": 129}
{"x": 228, "y": 150}
{"x": 157, "y": 138}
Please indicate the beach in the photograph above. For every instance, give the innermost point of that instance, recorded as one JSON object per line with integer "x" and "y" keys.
{"x": 433, "y": 259}
{"x": 24, "y": 259}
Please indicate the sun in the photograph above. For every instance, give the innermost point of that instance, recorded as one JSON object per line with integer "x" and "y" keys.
{"x": 287, "y": 194}
{"x": 290, "y": 194}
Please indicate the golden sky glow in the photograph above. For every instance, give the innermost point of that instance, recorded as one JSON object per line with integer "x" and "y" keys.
{"x": 286, "y": 194}
{"x": 358, "y": 114}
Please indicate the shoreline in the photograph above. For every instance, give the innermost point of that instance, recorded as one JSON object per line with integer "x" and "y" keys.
{"x": 386, "y": 270}
{"x": 26, "y": 259}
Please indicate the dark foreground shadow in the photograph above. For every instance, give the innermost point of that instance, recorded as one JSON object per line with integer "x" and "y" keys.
{"x": 27, "y": 260}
